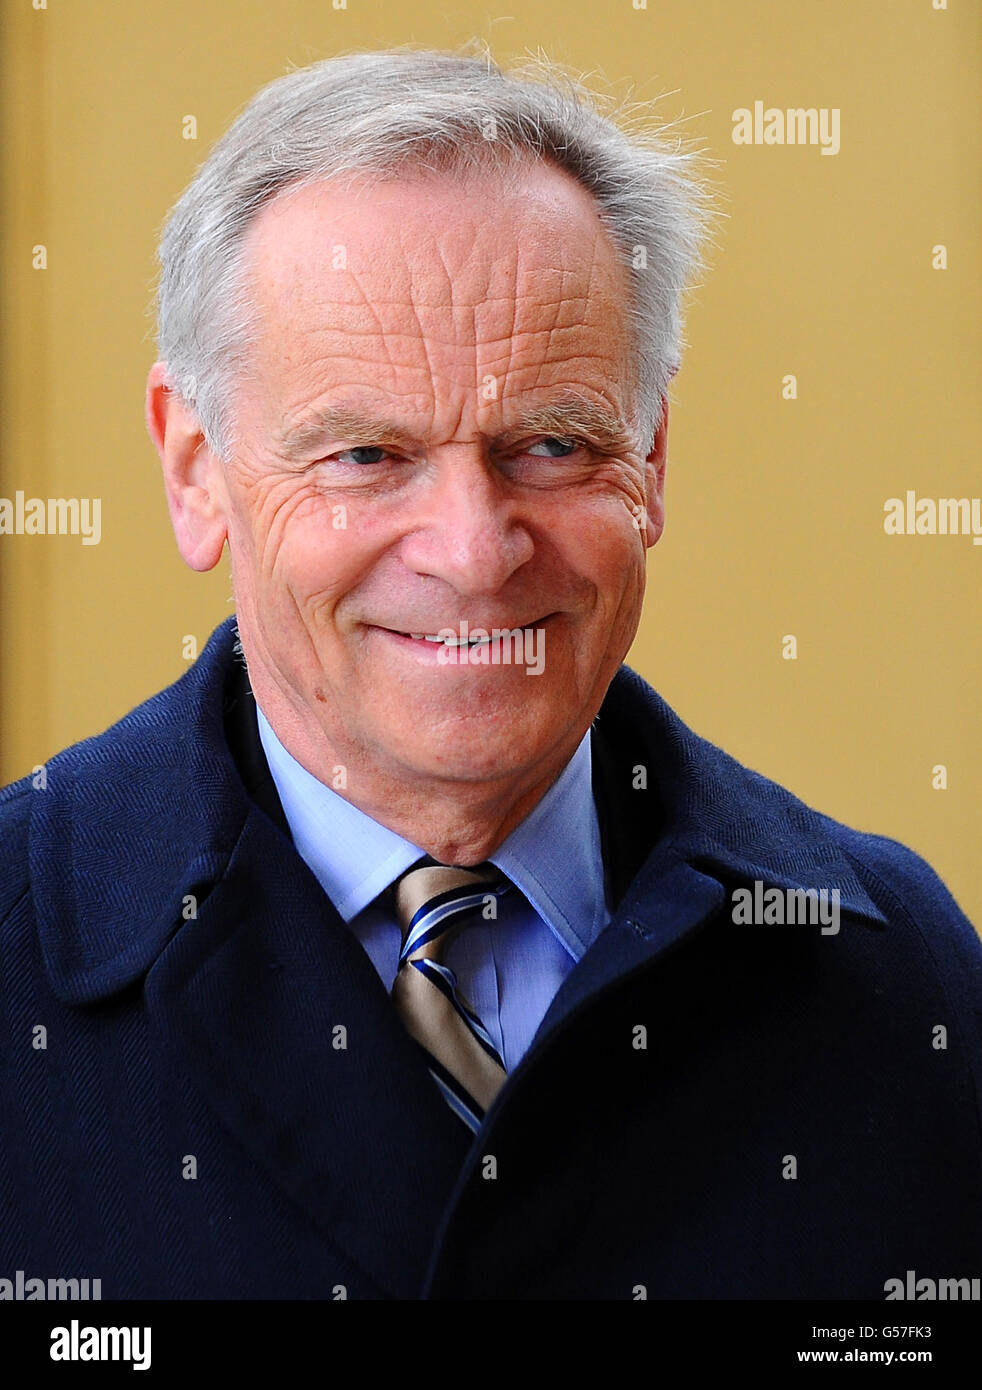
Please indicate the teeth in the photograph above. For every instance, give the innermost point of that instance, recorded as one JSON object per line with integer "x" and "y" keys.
{"x": 450, "y": 641}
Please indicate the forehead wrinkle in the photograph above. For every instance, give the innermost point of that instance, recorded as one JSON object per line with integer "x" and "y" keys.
{"x": 425, "y": 336}
{"x": 344, "y": 352}
{"x": 525, "y": 288}
{"x": 304, "y": 426}
{"x": 554, "y": 330}
{"x": 366, "y": 313}
{"x": 341, "y": 337}
{"x": 523, "y": 309}
{"x": 372, "y": 307}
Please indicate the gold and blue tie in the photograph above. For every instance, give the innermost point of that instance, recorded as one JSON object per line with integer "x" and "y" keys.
{"x": 433, "y": 903}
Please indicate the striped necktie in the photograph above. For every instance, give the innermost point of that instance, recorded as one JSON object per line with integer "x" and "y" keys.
{"x": 433, "y": 902}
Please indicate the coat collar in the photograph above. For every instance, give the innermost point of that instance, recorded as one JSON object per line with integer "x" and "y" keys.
{"x": 130, "y": 823}
{"x": 700, "y": 806}
{"x": 135, "y": 820}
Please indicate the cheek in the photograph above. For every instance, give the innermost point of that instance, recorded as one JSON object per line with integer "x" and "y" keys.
{"x": 307, "y": 546}
{"x": 607, "y": 546}
{"x": 318, "y": 565}
{"x": 625, "y": 582}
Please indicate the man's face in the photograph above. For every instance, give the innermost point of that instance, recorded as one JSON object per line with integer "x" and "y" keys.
{"x": 395, "y": 473}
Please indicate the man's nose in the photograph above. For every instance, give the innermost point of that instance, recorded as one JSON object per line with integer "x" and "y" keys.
{"x": 466, "y": 527}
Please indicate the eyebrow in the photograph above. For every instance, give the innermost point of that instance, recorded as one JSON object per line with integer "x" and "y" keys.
{"x": 568, "y": 414}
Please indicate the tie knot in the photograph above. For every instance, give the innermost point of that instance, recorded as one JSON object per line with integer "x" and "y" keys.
{"x": 433, "y": 900}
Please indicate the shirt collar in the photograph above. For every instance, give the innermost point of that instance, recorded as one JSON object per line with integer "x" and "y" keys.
{"x": 553, "y": 856}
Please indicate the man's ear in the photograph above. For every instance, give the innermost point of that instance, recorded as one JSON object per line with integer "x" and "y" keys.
{"x": 193, "y": 477}
{"x": 655, "y": 480}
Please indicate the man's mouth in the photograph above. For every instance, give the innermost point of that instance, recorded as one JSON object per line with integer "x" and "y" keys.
{"x": 464, "y": 636}
{"x": 448, "y": 641}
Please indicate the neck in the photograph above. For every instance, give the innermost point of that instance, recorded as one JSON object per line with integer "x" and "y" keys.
{"x": 456, "y": 822}
{"x": 455, "y": 826}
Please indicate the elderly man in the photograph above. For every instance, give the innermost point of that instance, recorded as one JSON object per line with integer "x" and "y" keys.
{"x": 409, "y": 945}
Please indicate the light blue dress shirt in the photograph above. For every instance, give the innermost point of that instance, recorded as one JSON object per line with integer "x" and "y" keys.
{"x": 509, "y": 969}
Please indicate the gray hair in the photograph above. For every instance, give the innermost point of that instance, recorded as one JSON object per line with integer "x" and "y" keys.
{"x": 389, "y": 112}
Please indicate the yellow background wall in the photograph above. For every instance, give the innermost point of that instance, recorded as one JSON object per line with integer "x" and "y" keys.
{"x": 822, "y": 268}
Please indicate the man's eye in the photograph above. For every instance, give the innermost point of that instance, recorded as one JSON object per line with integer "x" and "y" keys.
{"x": 555, "y": 446}
{"x": 362, "y": 453}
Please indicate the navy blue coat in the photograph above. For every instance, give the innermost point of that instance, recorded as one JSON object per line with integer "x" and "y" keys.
{"x": 189, "y": 1124}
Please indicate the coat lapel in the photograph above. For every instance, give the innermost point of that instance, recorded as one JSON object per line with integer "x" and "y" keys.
{"x": 262, "y": 998}
{"x": 681, "y": 824}
{"x": 275, "y": 1011}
